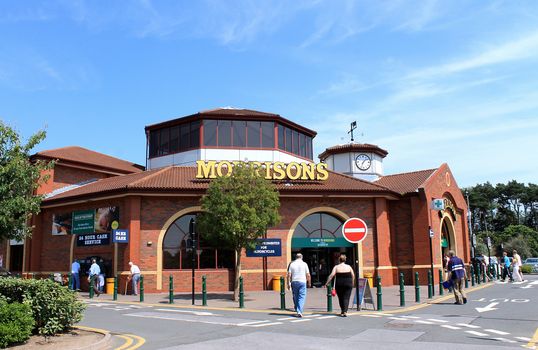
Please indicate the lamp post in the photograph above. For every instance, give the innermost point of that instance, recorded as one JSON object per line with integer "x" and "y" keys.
{"x": 192, "y": 232}
{"x": 470, "y": 224}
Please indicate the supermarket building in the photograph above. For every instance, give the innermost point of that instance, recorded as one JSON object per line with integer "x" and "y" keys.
{"x": 90, "y": 194}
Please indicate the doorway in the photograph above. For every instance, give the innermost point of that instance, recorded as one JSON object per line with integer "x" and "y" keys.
{"x": 322, "y": 260}
{"x": 16, "y": 256}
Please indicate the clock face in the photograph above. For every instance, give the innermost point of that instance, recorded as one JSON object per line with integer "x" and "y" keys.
{"x": 363, "y": 162}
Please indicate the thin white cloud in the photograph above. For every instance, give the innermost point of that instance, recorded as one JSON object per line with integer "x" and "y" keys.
{"x": 423, "y": 15}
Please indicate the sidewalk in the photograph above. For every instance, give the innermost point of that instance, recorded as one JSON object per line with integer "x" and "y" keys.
{"x": 316, "y": 300}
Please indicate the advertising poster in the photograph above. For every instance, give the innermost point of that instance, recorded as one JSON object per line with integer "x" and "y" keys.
{"x": 83, "y": 221}
{"x": 61, "y": 224}
{"x": 106, "y": 219}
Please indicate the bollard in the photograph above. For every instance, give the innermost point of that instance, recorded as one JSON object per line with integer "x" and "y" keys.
{"x": 92, "y": 284}
{"x": 241, "y": 293}
{"x": 402, "y": 289}
{"x": 430, "y": 285}
{"x": 483, "y": 275}
{"x": 115, "y": 295}
{"x": 329, "y": 298}
{"x": 379, "y": 295}
{"x": 141, "y": 288}
{"x": 282, "y": 294}
{"x": 204, "y": 291}
{"x": 417, "y": 288}
{"x": 441, "y": 289}
{"x": 171, "y": 290}
{"x": 477, "y": 273}
{"x": 466, "y": 282}
{"x": 70, "y": 281}
{"x": 472, "y": 275}
{"x": 51, "y": 277}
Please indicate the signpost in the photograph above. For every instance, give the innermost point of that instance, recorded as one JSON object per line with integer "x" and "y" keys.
{"x": 354, "y": 231}
{"x": 120, "y": 236}
{"x": 432, "y": 234}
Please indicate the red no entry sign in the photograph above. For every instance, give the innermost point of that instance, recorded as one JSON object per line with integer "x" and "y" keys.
{"x": 354, "y": 230}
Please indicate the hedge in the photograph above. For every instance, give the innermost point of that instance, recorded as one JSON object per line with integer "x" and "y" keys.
{"x": 526, "y": 268}
{"x": 55, "y": 308}
{"x": 16, "y": 323}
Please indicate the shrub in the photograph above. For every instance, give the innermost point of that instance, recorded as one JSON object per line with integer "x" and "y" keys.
{"x": 16, "y": 323}
{"x": 526, "y": 269}
{"x": 55, "y": 308}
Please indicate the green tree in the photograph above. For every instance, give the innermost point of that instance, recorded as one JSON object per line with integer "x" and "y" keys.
{"x": 237, "y": 210}
{"x": 19, "y": 178}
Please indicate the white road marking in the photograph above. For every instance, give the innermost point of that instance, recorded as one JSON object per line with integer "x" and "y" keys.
{"x": 182, "y": 320}
{"x": 314, "y": 315}
{"x": 388, "y": 314}
{"x": 375, "y": 316}
{"x": 506, "y": 340}
{"x": 412, "y": 317}
{"x": 325, "y": 317}
{"x": 399, "y": 318}
{"x": 250, "y": 323}
{"x": 197, "y": 313}
{"x": 450, "y": 327}
{"x": 265, "y": 324}
{"x": 436, "y": 320}
{"x": 496, "y": 331}
{"x": 286, "y": 318}
{"x": 523, "y": 338}
{"x": 423, "y": 322}
{"x": 302, "y": 320}
{"x": 468, "y": 325}
{"x": 476, "y": 333}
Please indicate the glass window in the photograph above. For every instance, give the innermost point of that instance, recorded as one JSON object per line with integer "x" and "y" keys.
{"x": 302, "y": 145}
{"x": 239, "y": 133}
{"x": 194, "y": 141}
{"x": 319, "y": 225}
{"x": 153, "y": 143}
{"x": 225, "y": 133}
{"x": 184, "y": 138}
{"x": 268, "y": 135}
{"x": 281, "y": 137}
{"x": 253, "y": 137}
{"x": 165, "y": 142}
{"x": 174, "y": 139}
{"x": 309, "y": 147}
{"x": 295, "y": 149}
{"x": 288, "y": 140}
{"x": 210, "y": 132}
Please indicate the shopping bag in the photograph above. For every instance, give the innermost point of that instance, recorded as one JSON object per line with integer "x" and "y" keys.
{"x": 447, "y": 284}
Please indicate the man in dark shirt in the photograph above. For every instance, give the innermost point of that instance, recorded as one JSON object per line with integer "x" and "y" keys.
{"x": 457, "y": 274}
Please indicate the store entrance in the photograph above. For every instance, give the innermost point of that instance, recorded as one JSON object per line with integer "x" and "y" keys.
{"x": 322, "y": 260}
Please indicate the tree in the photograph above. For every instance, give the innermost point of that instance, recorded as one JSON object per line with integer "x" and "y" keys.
{"x": 19, "y": 178}
{"x": 237, "y": 210}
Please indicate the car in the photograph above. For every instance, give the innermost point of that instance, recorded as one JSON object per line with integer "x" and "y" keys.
{"x": 533, "y": 263}
{"x": 4, "y": 272}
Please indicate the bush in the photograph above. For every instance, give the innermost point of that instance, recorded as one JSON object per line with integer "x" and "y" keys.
{"x": 526, "y": 269}
{"x": 55, "y": 308}
{"x": 16, "y": 323}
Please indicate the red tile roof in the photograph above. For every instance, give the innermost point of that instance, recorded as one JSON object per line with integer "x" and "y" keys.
{"x": 405, "y": 182}
{"x": 353, "y": 147}
{"x": 91, "y": 158}
{"x": 176, "y": 179}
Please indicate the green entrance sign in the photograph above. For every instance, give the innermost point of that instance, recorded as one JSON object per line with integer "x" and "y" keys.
{"x": 83, "y": 221}
{"x": 317, "y": 242}
{"x": 444, "y": 242}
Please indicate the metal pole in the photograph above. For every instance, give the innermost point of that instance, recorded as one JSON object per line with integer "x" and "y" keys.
{"x": 430, "y": 285}
{"x": 441, "y": 291}
{"x": 91, "y": 286}
{"x": 192, "y": 229}
{"x": 417, "y": 288}
{"x": 204, "y": 291}
{"x": 431, "y": 256}
{"x": 70, "y": 281}
{"x": 241, "y": 293}
{"x": 470, "y": 224}
{"x": 171, "y": 290}
{"x": 379, "y": 295}
{"x": 282, "y": 294}
{"x": 329, "y": 298}
{"x": 357, "y": 272}
{"x": 115, "y": 296}
{"x": 472, "y": 274}
{"x": 141, "y": 288}
{"x": 402, "y": 290}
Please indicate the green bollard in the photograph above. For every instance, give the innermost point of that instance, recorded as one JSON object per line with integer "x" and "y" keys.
{"x": 483, "y": 275}
{"x": 417, "y": 288}
{"x": 204, "y": 291}
{"x": 402, "y": 290}
{"x": 241, "y": 293}
{"x": 171, "y": 290}
{"x": 92, "y": 284}
{"x": 430, "y": 285}
{"x": 329, "y": 298}
{"x": 115, "y": 295}
{"x": 282, "y": 294}
{"x": 477, "y": 272}
{"x": 466, "y": 282}
{"x": 51, "y": 277}
{"x": 441, "y": 289}
{"x": 379, "y": 295}
{"x": 70, "y": 281}
{"x": 472, "y": 275}
{"x": 141, "y": 289}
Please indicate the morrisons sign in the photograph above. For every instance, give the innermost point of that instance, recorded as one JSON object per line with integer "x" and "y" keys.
{"x": 269, "y": 170}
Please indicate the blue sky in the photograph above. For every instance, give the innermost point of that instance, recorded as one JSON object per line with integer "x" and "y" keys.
{"x": 430, "y": 81}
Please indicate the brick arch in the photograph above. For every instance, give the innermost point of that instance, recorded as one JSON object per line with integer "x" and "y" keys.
{"x": 338, "y": 213}
{"x": 167, "y": 224}
{"x": 451, "y": 231}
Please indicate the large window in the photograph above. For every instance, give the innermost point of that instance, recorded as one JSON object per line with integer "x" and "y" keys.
{"x": 210, "y": 132}
{"x": 174, "y": 139}
{"x": 225, "y": 133}
{"x": 295, "y": 142}
{"x": 319, "y": 225}
{"x": 253, "y": 132}
{"x": 268, "y": 134}
{"x": 177, "y": 252}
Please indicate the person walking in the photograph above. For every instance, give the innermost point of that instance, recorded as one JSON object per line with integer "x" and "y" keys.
{"x": 95, "y": 271}
{"x": 344, "y": 277}
{"x": 506, "y": 267}
{"x": 298, "y": 280}
{"x": 516, "y": 263}
{"x": 457, "y": 275}
{"x": 75, "y": 276}
{"x": 135, "y": 277}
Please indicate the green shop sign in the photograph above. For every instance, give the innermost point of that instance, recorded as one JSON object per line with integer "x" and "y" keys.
{"x": 317, "y": 242}
{"x": 83, "y": 221}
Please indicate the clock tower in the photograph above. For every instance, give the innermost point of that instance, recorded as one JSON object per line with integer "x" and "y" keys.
{"x": 360, "y": 160}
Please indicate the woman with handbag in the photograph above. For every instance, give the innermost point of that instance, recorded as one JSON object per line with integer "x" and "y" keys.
{"x": 343, "y": 284}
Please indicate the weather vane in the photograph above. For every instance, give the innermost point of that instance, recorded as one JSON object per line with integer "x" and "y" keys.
{"x": 353, "y": 127}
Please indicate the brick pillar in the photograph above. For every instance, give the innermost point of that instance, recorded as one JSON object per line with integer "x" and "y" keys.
{"x": 421, "y": 243}
{"x": 383, "y": 240}
{"x": 33, "y": 248}
{"x": 133, "y": 249}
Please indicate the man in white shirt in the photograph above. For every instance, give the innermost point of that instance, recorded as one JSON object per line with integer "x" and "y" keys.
{"x": 95, "y": 271}
{"x": 298, "y": 280}
{"x": 135, "y": 277}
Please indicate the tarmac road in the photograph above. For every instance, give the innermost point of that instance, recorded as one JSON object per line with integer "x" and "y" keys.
{"x": 499, "y": 316}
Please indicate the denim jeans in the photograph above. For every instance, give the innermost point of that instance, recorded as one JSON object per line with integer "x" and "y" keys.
{"x": 136, "y": 278}
{"x": 299, "y": 295}
{"x": 75, "y": 281}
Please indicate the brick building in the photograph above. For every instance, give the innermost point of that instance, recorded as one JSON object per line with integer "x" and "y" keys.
{"x": 89, "y": 194}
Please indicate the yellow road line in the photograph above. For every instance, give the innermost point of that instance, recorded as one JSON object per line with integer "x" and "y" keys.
{"x": 532, "y": 343}
{"x": 128, "y": 342}
{"x": 98, "y": 330}
{"x": 140, "y": 342}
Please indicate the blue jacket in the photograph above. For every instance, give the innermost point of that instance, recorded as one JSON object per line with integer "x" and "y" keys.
{"x": 456, "y": 267}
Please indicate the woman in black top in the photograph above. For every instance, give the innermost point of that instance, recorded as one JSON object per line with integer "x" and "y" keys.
{"x": 343, "y": 283}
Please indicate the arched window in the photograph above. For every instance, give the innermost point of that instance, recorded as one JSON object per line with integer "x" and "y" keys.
{"x": 319, "y": 230}
{"x": 177, "y": 253}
